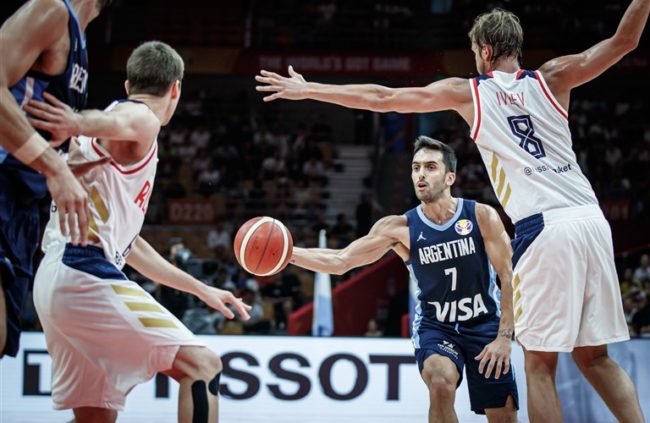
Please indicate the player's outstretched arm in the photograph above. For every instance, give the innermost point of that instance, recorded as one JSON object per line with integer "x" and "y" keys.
{"x": 567, "y": 72}
{"x": 496, "y": 355}
{"x": 446, "y": 94}
{"x": 127, "y": 121}
{"x": 146, "y": 260}
{"x": 388, "y": 233}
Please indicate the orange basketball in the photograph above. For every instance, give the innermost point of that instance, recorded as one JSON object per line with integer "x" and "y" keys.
{"x": 263, "y": 246}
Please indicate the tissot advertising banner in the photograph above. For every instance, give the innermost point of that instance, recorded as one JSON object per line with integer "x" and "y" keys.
{"x": 302, "y": 379}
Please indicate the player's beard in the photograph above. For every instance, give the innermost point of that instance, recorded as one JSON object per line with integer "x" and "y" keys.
{"x": 434, "y": 193}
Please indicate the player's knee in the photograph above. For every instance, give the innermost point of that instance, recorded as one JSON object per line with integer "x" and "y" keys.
{"x": 540, "y": 362}
{"x": 440, "y": 386}
{"x": 210, "y": 366}
{"x": 588, "y": 358}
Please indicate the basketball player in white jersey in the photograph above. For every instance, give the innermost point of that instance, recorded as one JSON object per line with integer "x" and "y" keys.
{"x": 565, "y": 299}
{"x": 105, "y": 333}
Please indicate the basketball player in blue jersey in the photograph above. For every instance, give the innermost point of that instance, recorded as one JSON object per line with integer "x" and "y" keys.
{"x": 43, "y": 49}
{"x": 565, "y": 299}
{"x": 450, "y": 246}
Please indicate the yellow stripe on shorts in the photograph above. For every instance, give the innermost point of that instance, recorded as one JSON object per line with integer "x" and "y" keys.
{"x": 149, "y": 322}
{"x": 518, "y": 313}
{"x": 133, "y": 306}
{"x": 125, "y": 290}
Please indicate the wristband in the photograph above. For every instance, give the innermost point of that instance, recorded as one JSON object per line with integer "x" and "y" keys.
{"x": 31, "y": 149}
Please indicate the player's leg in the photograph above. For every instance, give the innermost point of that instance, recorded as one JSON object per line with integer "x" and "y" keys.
{"x": 197, "y": 369}
{"x": 543, "y": 401}
{"x": 94, "y": 415}
{"x": 610, "y": 381}
{"x": 603, "y": 322}
{"x": 496, "y": 397}
{"x": 441, "y": 376}
{"x": 506, "y": 414}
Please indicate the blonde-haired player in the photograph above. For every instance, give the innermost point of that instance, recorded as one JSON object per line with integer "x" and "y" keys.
{"x": 565, "y": 299}
{"x": 105, "y": 333}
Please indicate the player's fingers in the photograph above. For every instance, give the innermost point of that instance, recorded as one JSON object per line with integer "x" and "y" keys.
{"x": 272, "y": 97}
{"x": 273, "y": 88}
{"x": 34, "y": 104}
{"x": 53, "y": 100}
{"x": 481, "y": 364}
{"x": 40, "y": 124}
{"x": 39, "y": 113}
{"x": 72, "y": 224}
{"x": 497, "y": 370}
{"x": 480, "y": 356}
{"x": 242, "y": 310}
{"x": 80, "y": 169}
{"x": 82, "y": 221}
{"x": 506, "y": 367}
{"x": 62, "y": 219}
{"x": 490, "y": 367}
{"x": 271, "y": 74}
{"x": 264, "y": 79}
{"x": 225, "y": 310}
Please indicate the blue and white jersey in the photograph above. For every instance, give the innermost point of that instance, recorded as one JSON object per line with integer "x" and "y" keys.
{"x": 456, "y": 283}
{"x": 70, "y": 87}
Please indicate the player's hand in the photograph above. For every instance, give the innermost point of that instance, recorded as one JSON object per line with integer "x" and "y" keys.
{"x": 72, "y": 204}
{"x": 78, "y": 163}
{"x": 291, "y": 88}
{"x": 218, "y": 299}
{"x": 496, "y": 356}
{"x": 57, "y": 118}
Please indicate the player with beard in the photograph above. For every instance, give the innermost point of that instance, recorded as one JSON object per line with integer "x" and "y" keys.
{"x": 451, "y": 247}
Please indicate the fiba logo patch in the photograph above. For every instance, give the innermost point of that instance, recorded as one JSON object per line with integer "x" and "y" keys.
{"x": 448, "y": 347}
{"x": 464, "y": 227}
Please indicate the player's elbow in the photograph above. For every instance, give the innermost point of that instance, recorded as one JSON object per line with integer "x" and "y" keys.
{"x": 343, "y": 264}
{"x": 625, "y": 43}
{"x": 381, "y": 100}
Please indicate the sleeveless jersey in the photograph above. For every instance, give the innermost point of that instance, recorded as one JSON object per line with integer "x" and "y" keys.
{"x": 523, "y": 136}
{"x": 455, "y": 282}
{"x": 70, "y": 87}
{"x": 118, "y": 197}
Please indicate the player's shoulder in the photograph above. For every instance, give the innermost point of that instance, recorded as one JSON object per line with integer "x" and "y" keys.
{"x": 390, "y": 223}
{"x": 51, "y": 9}
{"x": 485, "y": 212}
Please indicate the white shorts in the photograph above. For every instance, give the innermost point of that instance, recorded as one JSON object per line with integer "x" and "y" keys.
{"x": 105, "y": 334}
{"x": 565, "y": 286}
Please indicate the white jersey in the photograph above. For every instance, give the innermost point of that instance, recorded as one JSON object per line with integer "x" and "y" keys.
{"x": 523, "y": 136}
{"x": 118, "y": 197}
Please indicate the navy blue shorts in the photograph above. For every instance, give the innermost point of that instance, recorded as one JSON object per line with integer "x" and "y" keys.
{"x": 19, "y": 238}
{"x": 461, "y": 344}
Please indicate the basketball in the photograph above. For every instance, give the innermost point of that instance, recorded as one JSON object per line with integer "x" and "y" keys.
{"x": 263, "y": 246}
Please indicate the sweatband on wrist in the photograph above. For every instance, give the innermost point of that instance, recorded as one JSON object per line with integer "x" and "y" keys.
{"x": 31, "y": 149}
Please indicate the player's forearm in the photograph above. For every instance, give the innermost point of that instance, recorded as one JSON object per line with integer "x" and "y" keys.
{"x": 507, "y": 321}
{"x": 632, "y": 24}
{"x": 15, "y": 131}
{"x": 146, "y": 260}
{"x": 322, "y": 260}
{"x": 358, "y": 96}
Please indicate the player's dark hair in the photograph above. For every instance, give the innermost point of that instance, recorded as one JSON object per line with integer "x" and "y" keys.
{"x": 501, "y": 30}
{"x": 448, "y": 154}
{"x": 153, "y": 67}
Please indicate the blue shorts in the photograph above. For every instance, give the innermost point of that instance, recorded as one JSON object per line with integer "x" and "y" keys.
{"x": 19, "y": 238}
{"x": 461, "y": 344}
